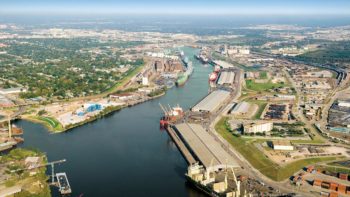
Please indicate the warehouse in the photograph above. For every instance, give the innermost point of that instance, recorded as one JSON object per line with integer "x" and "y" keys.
{"x": 211, "y": 102}
{"x": 223, "y": 64}
{"x": 241, "y": 108}
{"x": 204, "y": 147}
{"x": 282, "y": 145}
{"x": 226, "y": 78}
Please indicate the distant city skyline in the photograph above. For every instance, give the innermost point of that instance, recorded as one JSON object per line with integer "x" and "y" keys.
{"x": 196, "y": 7}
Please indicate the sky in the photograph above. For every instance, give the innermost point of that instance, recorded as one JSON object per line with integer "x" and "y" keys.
{"x": 195, "y": 7}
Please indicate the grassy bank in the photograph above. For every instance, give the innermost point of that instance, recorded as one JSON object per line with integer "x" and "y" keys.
{"x": 333, "y": 168}
{"x": 49, "y": 122}
{"x": 130, "y": 74}
{"x": 261, "y": 162}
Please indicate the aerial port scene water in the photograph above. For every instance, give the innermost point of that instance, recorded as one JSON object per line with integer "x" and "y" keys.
{"x": 187, "y": 98}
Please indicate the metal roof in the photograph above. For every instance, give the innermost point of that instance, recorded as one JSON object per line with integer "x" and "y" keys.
{"x": 211, "y": 102}
{"x": 226, "y": 77}
{"x": 209, "y": 151}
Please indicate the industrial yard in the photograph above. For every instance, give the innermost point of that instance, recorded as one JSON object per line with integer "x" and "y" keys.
{"x": 254, "y": 110}
{"x": 261, "y": 121}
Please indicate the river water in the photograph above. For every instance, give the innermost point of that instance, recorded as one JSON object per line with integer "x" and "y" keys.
{"x": 124, "y": 153}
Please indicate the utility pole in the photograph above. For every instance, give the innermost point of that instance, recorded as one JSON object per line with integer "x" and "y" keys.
{"x": 10, "y": 128}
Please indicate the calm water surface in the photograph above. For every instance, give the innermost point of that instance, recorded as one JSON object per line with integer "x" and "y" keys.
{"x": 125, "y": 153}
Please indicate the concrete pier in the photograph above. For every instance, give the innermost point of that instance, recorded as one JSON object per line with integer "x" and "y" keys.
{"x": 181, "y": 146}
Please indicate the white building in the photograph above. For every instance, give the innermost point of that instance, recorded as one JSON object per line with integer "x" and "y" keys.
{"x": 286, "y": 97}
{"x": 282, "y": 145}
{"x": 123, "y": 96}
{"x": 343, "y": 103}
{"x": 258, "y": 127}
{"x": 244, "y": 51}
{"x": 144, "y": 81}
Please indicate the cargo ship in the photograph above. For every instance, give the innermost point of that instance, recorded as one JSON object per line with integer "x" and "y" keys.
{"x": 202, "y": 57}
{"x": 171, "y": 114}
{"x": 214, "y": 76}
{"x": 183, "y": 77}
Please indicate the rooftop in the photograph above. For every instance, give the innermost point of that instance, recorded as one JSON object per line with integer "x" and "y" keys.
{"x": 211, "y": 102}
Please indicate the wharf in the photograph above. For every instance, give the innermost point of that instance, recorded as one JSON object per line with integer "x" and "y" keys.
{"x": 181, "y": 146}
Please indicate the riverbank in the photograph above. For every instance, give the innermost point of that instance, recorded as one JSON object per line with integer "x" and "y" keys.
{"x": 54, "y": 126}
{"x": 23, "y": 173}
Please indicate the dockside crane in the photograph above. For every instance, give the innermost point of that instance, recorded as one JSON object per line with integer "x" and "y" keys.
{"x": 163, "y": 109}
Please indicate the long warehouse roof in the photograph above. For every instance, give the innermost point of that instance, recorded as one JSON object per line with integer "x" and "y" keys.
{"x": 209, "y": 151}
{"x": 226, "y": 78}
{"x": 211, "y": 102}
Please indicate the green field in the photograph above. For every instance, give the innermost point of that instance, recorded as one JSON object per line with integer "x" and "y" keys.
{"x": 263, "y": 75}
{"x": 259, "y": 161}
{"x": 262, "y": 86}
{"x": 261, "y": 105}
{"x": 258, "y": 114}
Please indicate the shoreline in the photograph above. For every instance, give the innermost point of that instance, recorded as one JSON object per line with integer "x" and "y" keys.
{"x": 102, "y": 114}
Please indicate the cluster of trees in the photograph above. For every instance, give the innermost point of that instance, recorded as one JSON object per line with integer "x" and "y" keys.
{"x": 64, "y": 68}
{"x": 334, "y": 52}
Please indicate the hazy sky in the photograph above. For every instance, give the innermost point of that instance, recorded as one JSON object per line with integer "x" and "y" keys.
{"x": 289, "y": 7}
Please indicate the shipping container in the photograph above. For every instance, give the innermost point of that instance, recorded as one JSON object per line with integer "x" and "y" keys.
{"x": 317, "y": 182}
{"x": 325, "y": 185}
{"x": 333, "y": 186}
{"x": 343, "y": 176}
{"x": 342, "y": 188}
{"x": 333, "y": 194}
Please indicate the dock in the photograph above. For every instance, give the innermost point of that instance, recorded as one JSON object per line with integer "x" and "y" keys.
{"x": 181, "y": 146}
{"x": 204, "y": 147}
{"x": 63, "y": 183}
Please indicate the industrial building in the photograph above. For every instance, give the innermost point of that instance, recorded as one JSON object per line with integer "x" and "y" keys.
{"x": 241, "y": 108}
{"x": 223, "y": 64}
{"x": 204, "y": 147}
{"x": 123, "y": 96}
{"x": 211, "y": 102}
{"x": 226, "y": 78}
{"x": 286, "y": 97}
{"x": 282, "y": 145}
{"x": 258, "y": 127}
